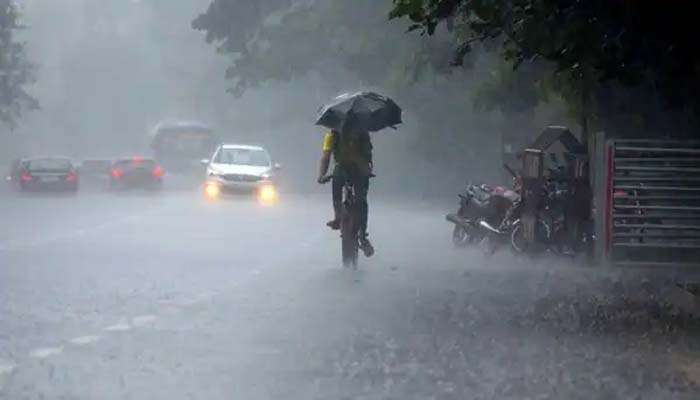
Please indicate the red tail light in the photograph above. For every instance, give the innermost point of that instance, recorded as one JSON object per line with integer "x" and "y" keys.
{"x": 116, "y": 173}
{"x": 158, "y": 172}
{"x": 71, "y": 177}
{"x": 26, "y": 177}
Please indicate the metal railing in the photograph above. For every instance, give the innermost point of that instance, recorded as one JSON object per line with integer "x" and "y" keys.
{"x": 652, "y": 203}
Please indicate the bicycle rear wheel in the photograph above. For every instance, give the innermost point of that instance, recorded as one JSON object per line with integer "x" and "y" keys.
{"x": 349, "y": 228}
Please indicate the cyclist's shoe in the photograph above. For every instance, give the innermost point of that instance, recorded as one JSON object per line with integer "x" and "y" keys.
{"x": 366, "y": 247}
{"x": 333, "y": 224}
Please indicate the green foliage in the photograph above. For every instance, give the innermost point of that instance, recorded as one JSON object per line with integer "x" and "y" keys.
{"x": 15, "y": 71}
{"x": 590, "y": 44}
{"x": 345, "y": 42}
{"x": 289, "y": 41}
{"x": 511, "y": 91}
{"x": 233, "y": 23}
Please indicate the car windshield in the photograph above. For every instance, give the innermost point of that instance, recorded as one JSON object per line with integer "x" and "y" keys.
{"x": 48, "y": 164}
{"x": 240, "y": 156}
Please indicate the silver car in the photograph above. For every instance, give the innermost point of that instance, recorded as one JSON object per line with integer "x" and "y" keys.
{"x": 236, "y": 167}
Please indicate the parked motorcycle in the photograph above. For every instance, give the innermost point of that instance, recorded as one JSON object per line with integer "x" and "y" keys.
{"x": 509, "y": 230}
{"x": 479, "y": 203}
{"x": 473, "y": 202}
{"x": 551, "y": 233}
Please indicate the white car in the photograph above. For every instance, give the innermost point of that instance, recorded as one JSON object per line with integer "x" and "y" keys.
{"x": 235, "y": 167}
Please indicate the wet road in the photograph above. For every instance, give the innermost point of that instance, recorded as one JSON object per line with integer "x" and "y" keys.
{"x": 142, "y": 296}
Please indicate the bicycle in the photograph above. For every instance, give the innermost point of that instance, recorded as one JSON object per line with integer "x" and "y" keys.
{"x": 349, "y": 224}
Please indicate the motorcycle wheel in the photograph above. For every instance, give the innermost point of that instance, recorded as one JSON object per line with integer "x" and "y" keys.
{"x": 489, "y": 244}
{"x": 460, "y": 237}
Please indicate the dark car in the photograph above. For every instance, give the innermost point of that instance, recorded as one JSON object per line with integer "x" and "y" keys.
{"x": 179, "y": 145}
{"x": 44, "y": 174}
{"x": 15, "y": 171}
{"x": 136, "y": 172}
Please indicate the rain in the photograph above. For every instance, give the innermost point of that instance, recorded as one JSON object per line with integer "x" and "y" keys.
{"x": 333, "y": 199}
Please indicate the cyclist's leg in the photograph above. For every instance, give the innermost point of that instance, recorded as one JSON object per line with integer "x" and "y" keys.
{"x": 337, "y": 193}
{"x": 361, "y": 186}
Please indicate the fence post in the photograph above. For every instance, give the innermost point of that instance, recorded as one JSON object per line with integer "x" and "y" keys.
{"x": 598, "y": 174}
{"x": 533, "y": 167}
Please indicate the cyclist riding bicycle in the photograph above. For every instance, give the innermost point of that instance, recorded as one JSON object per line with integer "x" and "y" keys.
{"x": 352, "y": 152}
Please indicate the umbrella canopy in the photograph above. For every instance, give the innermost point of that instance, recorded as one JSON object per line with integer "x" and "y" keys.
{"x": 367, "y": 111}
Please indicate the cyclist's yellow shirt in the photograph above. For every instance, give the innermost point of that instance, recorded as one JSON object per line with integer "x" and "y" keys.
{"x": 349, "y": 150}
{"x": 328, "y": 141}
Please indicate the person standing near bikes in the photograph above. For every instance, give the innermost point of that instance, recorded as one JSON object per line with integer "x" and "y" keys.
{"x": 351, "y": 149}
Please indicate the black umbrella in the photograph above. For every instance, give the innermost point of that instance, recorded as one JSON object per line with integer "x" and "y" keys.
{"x": 365, "y": 110}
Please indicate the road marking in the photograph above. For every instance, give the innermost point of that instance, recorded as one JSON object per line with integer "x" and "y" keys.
{"x": 6, "y": 367}
{"x": 45, "y": 352}
{"x": 121, "y": 327}
{"x": 142, "y": 320}
{"x": 84, "y": 340}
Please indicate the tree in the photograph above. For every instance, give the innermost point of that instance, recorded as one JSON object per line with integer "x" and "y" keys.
{"x": 282, "y": 40}
{"x": 15, "y": 71}
{"x": 595, "y": 47}
{"x": 347, "y": 45}
{"x": 235, "y": 25}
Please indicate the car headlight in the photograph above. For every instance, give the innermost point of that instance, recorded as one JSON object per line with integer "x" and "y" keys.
{"x": 212, "y": 190}
{"x": 266, "y": 175}
{"x": 215, "y": 173}
{"x": 267, "y": 194}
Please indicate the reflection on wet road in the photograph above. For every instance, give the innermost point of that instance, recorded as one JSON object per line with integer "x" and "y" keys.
{"x": 170, "y": 297}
